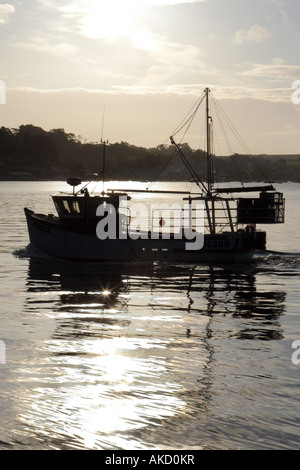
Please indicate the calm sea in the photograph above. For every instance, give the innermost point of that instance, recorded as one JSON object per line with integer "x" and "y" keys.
{"x": 134, "y": 356}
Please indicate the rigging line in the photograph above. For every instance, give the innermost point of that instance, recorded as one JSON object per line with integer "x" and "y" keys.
{"x": 161, "y": 170}
{"x": 92, "y": 192}
{"x": 219, "y": 112}
{"x": 233, "y": 129}
{"x": 260, "y": 169}
{"x": 163, "y": 167}
{"x": 84, "y": 186}
{"x": 222, "y": 128}
{"x": 144, "y": 162}
{"x": 189, "y": 125}
{"x": 190, "y": 115}
{"x": 183, "y": 123}
{"x": 186, "y": 123}
{"x": 232, "y": 156}
{"x": 184, "y": 120}
{"x": 216, "y": 110}
{"x": 219, "y": 164}
{"x": 191, "y": 170}
{"x": 242, "y": 143}
{"x": 138, "y": 167}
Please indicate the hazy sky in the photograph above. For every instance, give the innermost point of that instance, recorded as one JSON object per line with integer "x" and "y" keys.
{"x": 147, "y": 61}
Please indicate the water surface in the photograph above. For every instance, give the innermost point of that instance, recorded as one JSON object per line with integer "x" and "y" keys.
{"x": 147, "y": 356}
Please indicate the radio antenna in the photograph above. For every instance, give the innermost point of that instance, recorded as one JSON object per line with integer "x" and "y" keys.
{"x": 103, "y": 150}
{"x": 103, "y": 116}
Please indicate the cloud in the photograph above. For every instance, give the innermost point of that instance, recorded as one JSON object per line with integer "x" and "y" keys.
{"x": 276, "y": 72}
{"x": 6, "y": 10}
{"x": 230, "y": 93}
{"x": 255, "y": 34}
{"x": 151, "y": 58}
{"x": 41, "y": 44}
{"x": 273, "y": 95}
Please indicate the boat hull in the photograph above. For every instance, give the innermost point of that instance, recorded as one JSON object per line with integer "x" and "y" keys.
{"x": 62, "y": 241}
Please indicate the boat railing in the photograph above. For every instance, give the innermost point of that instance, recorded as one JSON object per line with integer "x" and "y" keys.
{"x": 219, "y": 215}
{"x": 175, "y": 221}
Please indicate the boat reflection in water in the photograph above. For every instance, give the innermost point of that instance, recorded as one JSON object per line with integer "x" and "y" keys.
{"x": 145, "y": 355}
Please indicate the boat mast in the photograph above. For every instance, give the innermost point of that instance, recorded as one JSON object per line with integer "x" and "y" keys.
{"x": 103, "y": 163}
{"x": 210, "y": 211}
{"x": 208, "y": 147}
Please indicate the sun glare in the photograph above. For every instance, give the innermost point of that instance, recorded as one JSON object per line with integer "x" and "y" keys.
{"x": 109, "y": 19}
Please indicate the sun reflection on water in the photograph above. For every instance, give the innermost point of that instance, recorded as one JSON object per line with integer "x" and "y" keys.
{"x": 107, "y": 387}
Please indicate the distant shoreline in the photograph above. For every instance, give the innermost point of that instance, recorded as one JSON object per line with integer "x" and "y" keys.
{"x": 63, "y": 179}
{"x": 30, "y": 153}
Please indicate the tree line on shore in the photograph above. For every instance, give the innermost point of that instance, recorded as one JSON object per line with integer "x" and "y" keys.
{"x": 29, "y": 152}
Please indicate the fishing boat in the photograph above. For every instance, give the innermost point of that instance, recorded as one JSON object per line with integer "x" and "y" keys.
{"x": 211, "y": 224}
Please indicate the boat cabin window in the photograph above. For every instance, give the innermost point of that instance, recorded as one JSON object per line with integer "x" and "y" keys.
{"x": 71, "y": 207}
{"x": 68, "y": 207}
{"x": 80, "y": 207}
{"x": 74, "y": 207}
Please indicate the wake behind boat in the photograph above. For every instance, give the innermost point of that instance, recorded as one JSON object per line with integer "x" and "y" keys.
{"x": 209, "y": 225}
